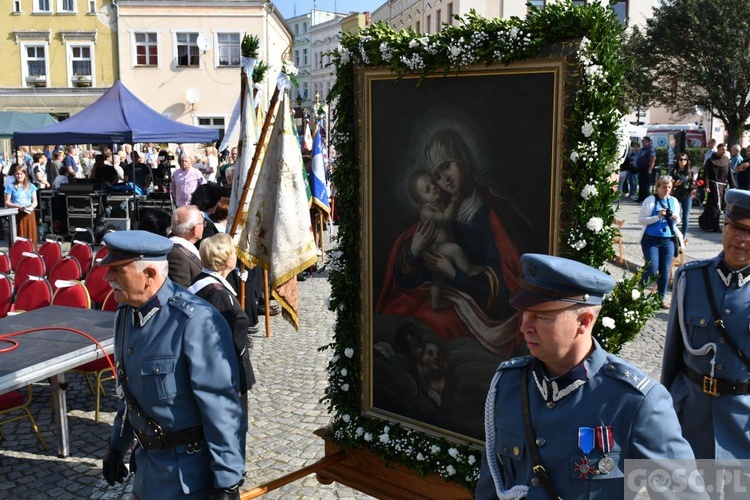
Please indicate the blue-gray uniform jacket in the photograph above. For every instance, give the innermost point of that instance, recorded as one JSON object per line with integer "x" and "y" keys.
{"x": 614, "y": 395}
{"x": 715, "y": 426}
{"x": 181, "y": 369}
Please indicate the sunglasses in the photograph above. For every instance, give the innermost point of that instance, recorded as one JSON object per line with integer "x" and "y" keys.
{"x": 683, "y": 159}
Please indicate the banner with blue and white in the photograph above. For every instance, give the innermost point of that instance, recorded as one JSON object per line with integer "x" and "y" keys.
{"x": 318, "y": 181}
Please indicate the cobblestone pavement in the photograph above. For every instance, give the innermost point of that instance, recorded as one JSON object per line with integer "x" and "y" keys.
{"x": 285, "y": 406}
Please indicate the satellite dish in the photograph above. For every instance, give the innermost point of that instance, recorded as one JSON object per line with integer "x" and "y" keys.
{"x": 193, "y": 95}
{"x": 203, "y": 42}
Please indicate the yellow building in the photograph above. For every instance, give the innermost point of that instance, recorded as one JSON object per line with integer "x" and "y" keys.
{"x": 60, "y": 55}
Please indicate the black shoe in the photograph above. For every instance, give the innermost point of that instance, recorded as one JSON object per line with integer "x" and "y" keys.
{"x": 302, "y": 277}
{"x": 262, "y": 310}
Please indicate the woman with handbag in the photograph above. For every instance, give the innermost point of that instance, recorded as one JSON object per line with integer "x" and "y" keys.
{"x": 659, "y": 217}
{"x": 684, "y": 184}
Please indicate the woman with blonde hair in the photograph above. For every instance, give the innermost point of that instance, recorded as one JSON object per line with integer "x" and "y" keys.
{"x": 21, "y": 194}
{"x": 219, "y": 260}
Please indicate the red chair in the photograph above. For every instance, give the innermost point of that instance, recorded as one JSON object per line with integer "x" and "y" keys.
{"x": 6, "y": 293}
{"x": 71, "y": 293}
{"x": 98, "y": 369}
{"x": 66, "y": 268}
{"x": 34, "y": 293}
{"x": 110, "y": 304}
{"x": 97, "y": 286}
{"x": 12, "y": 402}
{"x": 101, "y": 253}
{"x": 51, "y": 252}
{"x": 4, "y": 263}
{"x": 82, "y": 251}
{"x": 31, "y": 264}
{"x": 17, "y": 249}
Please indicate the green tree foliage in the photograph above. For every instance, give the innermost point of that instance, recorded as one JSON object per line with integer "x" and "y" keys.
{"x": 696, "y": 53}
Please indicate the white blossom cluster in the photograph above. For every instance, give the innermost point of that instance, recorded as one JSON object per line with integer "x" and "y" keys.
{"x": 629, "y": 316}
{"x": 363, "y": 41}
{"x": 576, "y": 239}
{"x": 595, "y": 224}
{"x": 415, "y": 62}
{"x": 288, "y": 67}
{"x": 589, "y": 191}
{"x": 344, "y": 55}
{"x": 462, "y": 52}
{"x": 608, "y": 322}
{"x": 511, "y": 40}
{"x": 386, "y": 52}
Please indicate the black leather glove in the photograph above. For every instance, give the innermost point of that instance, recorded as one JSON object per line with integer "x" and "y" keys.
{"x": 232, "y": 493}
{"x": 113, "y": 468}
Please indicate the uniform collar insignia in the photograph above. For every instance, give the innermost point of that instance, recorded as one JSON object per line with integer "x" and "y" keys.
{"x": 146, "y": 312}
{"x": 734, "y": 279}
{"x": 556, "y": 389}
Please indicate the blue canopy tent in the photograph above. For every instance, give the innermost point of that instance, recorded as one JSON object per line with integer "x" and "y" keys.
{"x": 116, "y": 117}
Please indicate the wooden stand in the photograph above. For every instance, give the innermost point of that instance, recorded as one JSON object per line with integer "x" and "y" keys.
{"x": 366, "y": 472}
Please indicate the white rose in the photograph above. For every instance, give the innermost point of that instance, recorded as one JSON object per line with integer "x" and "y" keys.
{"x": 635, "y": 294}
{"x": 587, "y": 129}
{"x": 608, "y": 322}
{"x": 349, "y": 352}
{"x": 588, "y": 191}
{"x": 574, "y": 156}
{"x": 595, "y": 224}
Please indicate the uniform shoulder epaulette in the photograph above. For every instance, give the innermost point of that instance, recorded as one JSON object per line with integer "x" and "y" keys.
{"x": 514, "y": 363}
{"x": 695, "y": 264}
{"x": 629, "y": 374}
{"x": 183, "y": 303}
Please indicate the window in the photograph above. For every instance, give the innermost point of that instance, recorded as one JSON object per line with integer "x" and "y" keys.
{"x": 41, "y": 6}
{"x": 450, "y": 14}
{"x": 80, "y": 58}
{"x": 216, "y": 122}
{"x": 296, "y": 58}
{"x": 438, "y": 21}
{"x": 35, "y": 65}
{"x": 428, "y": 23}
{"x": 66, "y": 6}
{"x": 296, "y": 29}
{"x": 536, "y": 3}
{"x": 229, "y": 49}
{"x": 146, "y": 49}
{"x": 188, "y": 53}
{"x": 321, "y": 61}
{"x": 305, "y": 62}
{"x": 92, "y": 6}
{"x": 304, "y": 27}
{"x": 16, "y": 6}
{"x": 416, "y": 27}
{"x": 304, "y": 90}
{"x": 621, "y": 10}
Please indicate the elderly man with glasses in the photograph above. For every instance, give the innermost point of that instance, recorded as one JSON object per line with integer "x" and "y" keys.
{"x": 184, "y": 260}
{"x": 706, "y": 353}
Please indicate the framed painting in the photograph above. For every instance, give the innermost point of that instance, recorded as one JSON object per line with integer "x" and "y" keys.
{"x": 461, "y": 174}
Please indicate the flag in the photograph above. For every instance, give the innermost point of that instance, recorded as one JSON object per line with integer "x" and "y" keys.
{"x": 248, "y": 138}
{"x": 278, "y": 236}
{"x": 307, "y": 142}
{"x": 318, "y": 181}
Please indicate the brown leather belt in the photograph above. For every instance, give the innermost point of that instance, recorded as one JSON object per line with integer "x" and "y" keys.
{"x": 716, "y": 386}
{"x": 191, "y": 437}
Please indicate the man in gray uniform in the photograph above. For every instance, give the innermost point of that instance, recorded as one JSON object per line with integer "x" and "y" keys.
{"x": 177, "y": 379}
{"x": 562, "y": 421}
{"x": 706, "y": 366}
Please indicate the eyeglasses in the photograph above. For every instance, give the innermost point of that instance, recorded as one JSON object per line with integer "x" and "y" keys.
{"x": 683, "y": 159}
{"x": 737, "y": 230}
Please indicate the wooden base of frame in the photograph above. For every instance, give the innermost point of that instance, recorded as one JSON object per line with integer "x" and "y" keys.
{"x": 366, "y": 472}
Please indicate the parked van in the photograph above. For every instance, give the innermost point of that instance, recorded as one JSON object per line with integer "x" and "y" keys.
{"x": 662, "y": 135}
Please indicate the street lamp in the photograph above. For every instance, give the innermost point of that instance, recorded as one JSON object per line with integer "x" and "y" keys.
{"x": 299, "y": 116}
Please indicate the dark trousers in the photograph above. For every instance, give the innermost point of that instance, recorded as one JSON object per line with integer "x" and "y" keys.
{"x": 643, "y": 185}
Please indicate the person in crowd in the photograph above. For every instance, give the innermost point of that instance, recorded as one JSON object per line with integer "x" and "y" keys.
{"x": 163, "y": 172}
{"x": 573, "y": 391}
{"x": 71, "y": 161}
{"x": 735, "y": 159}
{"x": 231, "y": 162}
{"x": 212, "y": 163}
{"x": 705, "y": 362}
{"x": 221, "y": 215}
{"x": 660, "y": 214}
{"x": 53, "y": 169}
{"x": 21, "y": 194}
{"x": 87, "y": 162}
{"x": 710, "y": 150}
{"x": 684, "y": 184}
{"x": 742, "y": 174}
{"x": 141, "y": 171}
{"x": 39, "y": 171}
{"x": 184, "y": 259}
{"x": 206, "y": 197}
{"x": 116, "y": 160}
{"x": 178, "y": 377}
{"x": 219, "y": 260}
{"x": 185, "y": 180}
{"x": 103, "y": 170}
{"x": 62, "y": 177}
{"x": 646, "y": 160}
{"x": 716, "y": 179}
{"x": 156, "y": 221}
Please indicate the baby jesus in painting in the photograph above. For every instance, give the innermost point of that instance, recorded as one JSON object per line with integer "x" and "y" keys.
{"x": 428, "y": 195}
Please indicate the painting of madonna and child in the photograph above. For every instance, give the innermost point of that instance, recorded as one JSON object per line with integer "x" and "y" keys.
{"x": 461, "y": 181}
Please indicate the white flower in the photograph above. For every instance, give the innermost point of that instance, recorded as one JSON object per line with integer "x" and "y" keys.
{"x": 587, "y": 129}
{"x": 608, "y": 322}
{"x": 368, "y": 437}
{"x": 453, "y": 452}
{"x": 413, "y": 44}
{"x": 573, "y": 156}
{"x": 588, "y": 191}
{"x": 359, "y": 432}
{"x": 595, "y": 224}
{"x": 334, "y": 359}
{"x": 434, "y": 448}
{"x": 344, "y": 55}
{"x": 386, "y": 429}
{"x": 514, "y": 32}
{"x": 346, "y": 418}
{"x": 349, "y": 352}
{"x": 472, "y": 460}
{"x": 344, "y": 372}
{"x": 345, "y": 387}
{"x": 384, "y": 438}
{"x": 450, "y": 470}
{"x": 635, "y": 294}
{"x": 455, "y": 51}
{"x": 420, "y": 457}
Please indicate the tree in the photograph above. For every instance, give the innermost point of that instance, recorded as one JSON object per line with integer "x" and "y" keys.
{"x": 696, "y": 53}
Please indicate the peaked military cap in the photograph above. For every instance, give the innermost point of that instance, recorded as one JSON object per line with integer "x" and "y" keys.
{"x": 549, "y": 283}
{"x": 127, "y": 246}
{"x": 738, "y": 206}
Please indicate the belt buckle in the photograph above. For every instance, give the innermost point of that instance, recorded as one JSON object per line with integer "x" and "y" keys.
{"x": 710, "y": 385}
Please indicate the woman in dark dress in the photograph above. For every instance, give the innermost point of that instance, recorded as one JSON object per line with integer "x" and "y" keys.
{"x": 219, "y": 260}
